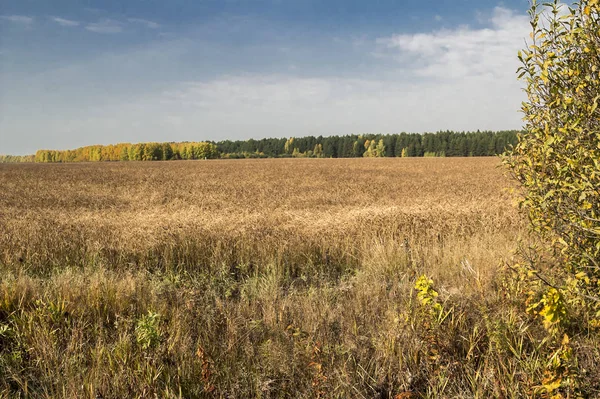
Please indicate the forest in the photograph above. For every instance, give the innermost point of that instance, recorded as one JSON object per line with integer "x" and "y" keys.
{"x": 16, "y": 158}
{"x": 131, "y": 152}
{"x": 446, "y": 143}
{"x": 440, "y": 144}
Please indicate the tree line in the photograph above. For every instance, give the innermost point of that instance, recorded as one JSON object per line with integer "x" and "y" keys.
{"x": 440, "y": 144}
{"x": 131, "y": 152}
{"x": 16, "y": 158}
{"x": 446, "y": 143}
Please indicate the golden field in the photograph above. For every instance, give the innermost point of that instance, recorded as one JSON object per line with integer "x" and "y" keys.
{"x": 263, "y": 278}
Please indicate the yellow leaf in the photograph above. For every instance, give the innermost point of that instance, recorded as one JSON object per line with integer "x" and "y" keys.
{"x": 552, "y": 385}
{"x": 580, "y": 275}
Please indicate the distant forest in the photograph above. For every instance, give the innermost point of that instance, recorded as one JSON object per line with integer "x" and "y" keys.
{"x": 16, "y": 158}
{"x": 131, "y": 152}
{"x": 440, "y": 144}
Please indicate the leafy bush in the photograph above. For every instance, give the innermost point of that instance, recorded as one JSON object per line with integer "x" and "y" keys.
{"x": 147, "y": 330}
{"x": 557, "y": 162}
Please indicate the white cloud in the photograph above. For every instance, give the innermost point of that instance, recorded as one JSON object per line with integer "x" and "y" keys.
{"x": 460, "y": 79}
{"x": 243, "y": 106}
{"x": 464, "y": 52}
{"x": 285, "y": 105}
{"x": 252, "y": 92}
{"x": 145, "y": 22}
{"x": 20, "y": 19}
{"x": 105, "y": 26}
{"x": 438, "y": 18}
{"x": 65, "y": 22}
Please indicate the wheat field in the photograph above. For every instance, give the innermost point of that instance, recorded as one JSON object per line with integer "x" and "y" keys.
{"x": 263, "y": 278}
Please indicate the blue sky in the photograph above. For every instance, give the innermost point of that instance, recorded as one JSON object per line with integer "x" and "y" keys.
{"x": 84, "y": 72}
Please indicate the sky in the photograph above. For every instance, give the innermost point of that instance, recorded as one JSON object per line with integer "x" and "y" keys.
{"x": 83, "y": 72}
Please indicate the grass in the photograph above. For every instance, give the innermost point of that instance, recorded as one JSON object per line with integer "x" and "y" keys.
{"x": 264, "y": 278}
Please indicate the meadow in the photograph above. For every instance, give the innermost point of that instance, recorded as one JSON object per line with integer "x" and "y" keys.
{"x": 271, "y": 278}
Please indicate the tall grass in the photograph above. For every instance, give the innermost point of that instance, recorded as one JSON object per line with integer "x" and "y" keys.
{"x": 266, "y": 278}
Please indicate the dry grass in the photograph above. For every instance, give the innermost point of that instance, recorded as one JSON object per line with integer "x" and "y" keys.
{"x": 262, "y": 208}
{"x": 259, "y": 278}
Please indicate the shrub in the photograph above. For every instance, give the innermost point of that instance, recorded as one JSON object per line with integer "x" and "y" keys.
{"x": 147, "y": 330}
{"x": 557, "y": 162}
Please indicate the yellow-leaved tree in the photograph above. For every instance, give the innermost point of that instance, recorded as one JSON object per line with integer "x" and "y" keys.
{"x": 557, "y": 162}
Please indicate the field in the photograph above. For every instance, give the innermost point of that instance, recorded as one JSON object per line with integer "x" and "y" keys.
{"x": 263, "y": 278}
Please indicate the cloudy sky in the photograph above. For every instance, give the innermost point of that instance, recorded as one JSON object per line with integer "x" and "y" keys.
{"x": 81, "y": 72}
